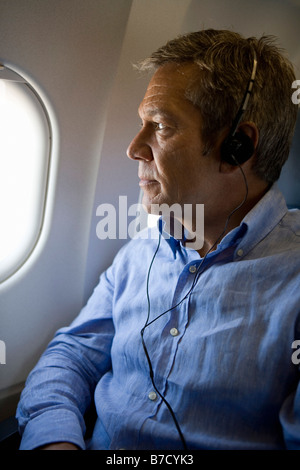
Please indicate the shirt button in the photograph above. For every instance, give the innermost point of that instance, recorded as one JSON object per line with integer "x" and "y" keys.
{"x": 174, "y": 331}
{"x": 152, "y": 396}
{"x": 192, "y": 269}
{"x": 240, "y": 252}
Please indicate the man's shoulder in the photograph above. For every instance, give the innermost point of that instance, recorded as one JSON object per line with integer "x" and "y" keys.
{"x": 286, "y": 239}
{"x": 291, "y": 223}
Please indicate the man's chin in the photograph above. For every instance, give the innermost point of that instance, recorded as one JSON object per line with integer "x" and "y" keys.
{"x": 160, "y": 207}
{"x": 151, "y": 204}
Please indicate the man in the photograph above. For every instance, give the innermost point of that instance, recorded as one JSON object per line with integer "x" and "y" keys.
{"x": 185, "y": 348}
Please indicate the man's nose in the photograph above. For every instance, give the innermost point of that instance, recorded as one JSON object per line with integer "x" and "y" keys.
{"x": 139, "y": 149}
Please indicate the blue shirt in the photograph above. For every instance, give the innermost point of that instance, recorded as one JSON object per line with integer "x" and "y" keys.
{"x": 222, "y": 358}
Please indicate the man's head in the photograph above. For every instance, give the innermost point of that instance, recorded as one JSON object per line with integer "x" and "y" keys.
{"x": 193, "y": 97}
{"x": 222, "y": 65}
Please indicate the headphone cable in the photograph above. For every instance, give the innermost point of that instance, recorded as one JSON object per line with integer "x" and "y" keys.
{"x": 151, "y": 373}
{"x": 147, "y": 323}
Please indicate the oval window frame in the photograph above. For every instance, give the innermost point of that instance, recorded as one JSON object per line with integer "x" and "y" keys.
{"x": 17, "y": 257}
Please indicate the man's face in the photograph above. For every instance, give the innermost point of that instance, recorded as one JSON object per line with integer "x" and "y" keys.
{"x": 169, "y": 146}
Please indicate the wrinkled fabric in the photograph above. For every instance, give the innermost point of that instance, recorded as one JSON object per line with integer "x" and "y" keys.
{"x": 222, "y": 358}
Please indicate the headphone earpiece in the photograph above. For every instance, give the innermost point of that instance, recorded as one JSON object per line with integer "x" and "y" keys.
{"x": 237, "y": 149}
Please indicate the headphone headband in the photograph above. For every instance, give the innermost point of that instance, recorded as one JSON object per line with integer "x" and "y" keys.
{"x": 245, "y": 100}
{"x": 238, "y": 147}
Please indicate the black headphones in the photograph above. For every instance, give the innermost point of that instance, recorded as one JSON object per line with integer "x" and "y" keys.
{"x": 237, "y": 148}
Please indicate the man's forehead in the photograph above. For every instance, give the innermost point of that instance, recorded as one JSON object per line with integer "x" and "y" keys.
{"x": 167, "y": 85}
{"x": 170, "y": 76}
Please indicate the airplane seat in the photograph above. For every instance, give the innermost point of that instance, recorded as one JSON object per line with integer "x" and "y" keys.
{"x": 9, "y": 435}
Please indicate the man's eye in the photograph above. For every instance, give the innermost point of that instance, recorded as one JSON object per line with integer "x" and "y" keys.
{"x": 159, "y": 126}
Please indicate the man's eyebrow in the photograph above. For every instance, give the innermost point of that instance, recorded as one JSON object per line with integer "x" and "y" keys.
{"x": 155, "y": 111}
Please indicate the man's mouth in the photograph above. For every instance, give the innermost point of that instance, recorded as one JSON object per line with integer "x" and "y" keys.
{"x": 146, "y": 181}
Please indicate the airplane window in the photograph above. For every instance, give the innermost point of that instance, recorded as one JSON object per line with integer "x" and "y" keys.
{"x": 25, "y": 144}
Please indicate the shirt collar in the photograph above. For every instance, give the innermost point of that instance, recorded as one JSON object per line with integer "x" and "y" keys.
{"x": 262, "y": 218}
{"x": 259, "y": 221}
{"x": 164, "y": 230}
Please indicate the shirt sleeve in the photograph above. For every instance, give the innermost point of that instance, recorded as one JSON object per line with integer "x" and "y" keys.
{"x": 59, "y": 389}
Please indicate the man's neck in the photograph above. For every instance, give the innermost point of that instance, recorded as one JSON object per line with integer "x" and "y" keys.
{"x": 215, "y": 228}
